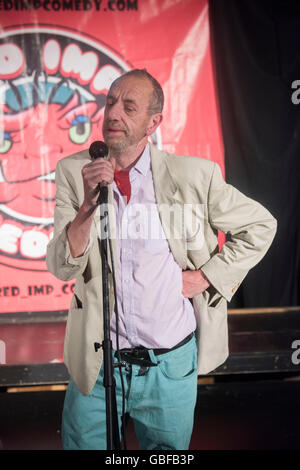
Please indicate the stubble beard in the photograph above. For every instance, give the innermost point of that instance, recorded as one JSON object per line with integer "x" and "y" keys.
{"x": 117, "y": 147}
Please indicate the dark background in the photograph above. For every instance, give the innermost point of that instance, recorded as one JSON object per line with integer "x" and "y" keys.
{"x": 256, "y": 46}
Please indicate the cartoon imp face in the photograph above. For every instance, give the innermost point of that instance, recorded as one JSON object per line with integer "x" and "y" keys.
{"x": 32, "y": 142}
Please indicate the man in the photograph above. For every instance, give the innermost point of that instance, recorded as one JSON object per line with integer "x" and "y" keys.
{"x": 156, "y": 276}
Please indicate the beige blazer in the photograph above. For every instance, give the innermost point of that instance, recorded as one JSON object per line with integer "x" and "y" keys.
{"x": 178, "y": 180}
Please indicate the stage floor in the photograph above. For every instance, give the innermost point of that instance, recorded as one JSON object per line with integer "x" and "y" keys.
{"x": 236, "y": 415}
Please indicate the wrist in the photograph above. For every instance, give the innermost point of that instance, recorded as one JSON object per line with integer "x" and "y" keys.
{"x": 204, "y": 277}
{"x": 87, "y": 209}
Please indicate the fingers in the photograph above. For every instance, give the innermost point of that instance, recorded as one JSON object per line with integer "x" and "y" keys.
{"x": 94, "y": 174}
{"x": 98, "y": 171}
{"x": 193, "y": 283}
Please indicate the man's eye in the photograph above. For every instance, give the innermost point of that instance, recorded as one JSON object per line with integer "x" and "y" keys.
{"x": 109, "y": 102}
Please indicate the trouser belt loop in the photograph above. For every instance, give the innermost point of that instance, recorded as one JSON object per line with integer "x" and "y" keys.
{"x": 153, "y": 357}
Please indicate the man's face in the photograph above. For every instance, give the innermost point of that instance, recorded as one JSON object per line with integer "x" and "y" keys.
{"x": 126, "y": 117}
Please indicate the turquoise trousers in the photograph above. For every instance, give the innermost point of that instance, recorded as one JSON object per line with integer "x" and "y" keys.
{"x": 161, "y": 404}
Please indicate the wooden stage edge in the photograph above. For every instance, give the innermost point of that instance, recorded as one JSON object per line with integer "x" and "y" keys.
{"x": 264, "y": 310}
{"x": 57, "y": 316}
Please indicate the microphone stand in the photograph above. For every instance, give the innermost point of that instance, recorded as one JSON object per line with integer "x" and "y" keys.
{"x": 112, "y": 427}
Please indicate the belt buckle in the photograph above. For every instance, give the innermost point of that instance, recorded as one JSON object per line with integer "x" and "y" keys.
{"x": 138, "y": 356}
{"x": 136, "y": 352}
{"x": 140, "y": 352}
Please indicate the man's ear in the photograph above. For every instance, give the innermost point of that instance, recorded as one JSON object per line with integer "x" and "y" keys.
{"x": 156, "y": 119}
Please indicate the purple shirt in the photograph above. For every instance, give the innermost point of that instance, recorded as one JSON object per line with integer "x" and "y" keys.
{"x": 152, "y": 310}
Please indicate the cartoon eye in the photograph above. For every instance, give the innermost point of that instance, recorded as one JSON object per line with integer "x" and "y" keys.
{"x": 80, "y": 129}
{"x": 5, "y": 143}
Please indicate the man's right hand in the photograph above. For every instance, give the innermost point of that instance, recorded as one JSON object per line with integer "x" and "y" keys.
{"x": 93, "y": 174}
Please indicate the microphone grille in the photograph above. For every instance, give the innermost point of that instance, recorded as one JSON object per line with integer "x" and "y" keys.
{"x": 98, "y": 149}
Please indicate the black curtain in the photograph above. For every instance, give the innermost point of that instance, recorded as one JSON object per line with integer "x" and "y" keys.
{"x": 256, "y": 46}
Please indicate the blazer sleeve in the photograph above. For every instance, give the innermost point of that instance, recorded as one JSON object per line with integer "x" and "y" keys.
{"x": 251, "y": 229}
{"x": 59, "y": 260}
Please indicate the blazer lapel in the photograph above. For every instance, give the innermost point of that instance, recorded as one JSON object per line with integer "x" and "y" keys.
{"x": 169, "y": 205}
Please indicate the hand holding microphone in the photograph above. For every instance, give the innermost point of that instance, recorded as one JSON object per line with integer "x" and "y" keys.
{"x": 97, "y": 174}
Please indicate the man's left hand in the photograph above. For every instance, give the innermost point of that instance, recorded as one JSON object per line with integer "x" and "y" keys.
{"x": 193, "y": 283}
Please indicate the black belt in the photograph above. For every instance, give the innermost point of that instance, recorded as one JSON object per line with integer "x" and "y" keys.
{"x": 157, "y": 352}
{"x": 140, "y": 355}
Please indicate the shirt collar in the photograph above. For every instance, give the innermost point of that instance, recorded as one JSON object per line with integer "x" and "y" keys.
{"x": 143, "y": 163}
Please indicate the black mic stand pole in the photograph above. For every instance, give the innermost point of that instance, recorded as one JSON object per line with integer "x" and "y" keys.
{"x": 112, "y": 427}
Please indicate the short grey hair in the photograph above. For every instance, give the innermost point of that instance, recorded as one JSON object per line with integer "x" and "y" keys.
{"x": 157, "y": 99}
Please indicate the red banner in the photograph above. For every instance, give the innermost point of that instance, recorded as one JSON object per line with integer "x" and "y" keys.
{"x": 57, "y": 61}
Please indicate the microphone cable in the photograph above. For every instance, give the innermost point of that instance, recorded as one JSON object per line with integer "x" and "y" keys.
{"x": 117, "y": 335}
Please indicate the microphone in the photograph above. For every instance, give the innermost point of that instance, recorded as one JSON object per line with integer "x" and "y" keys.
{"x": 99, "y": 149}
